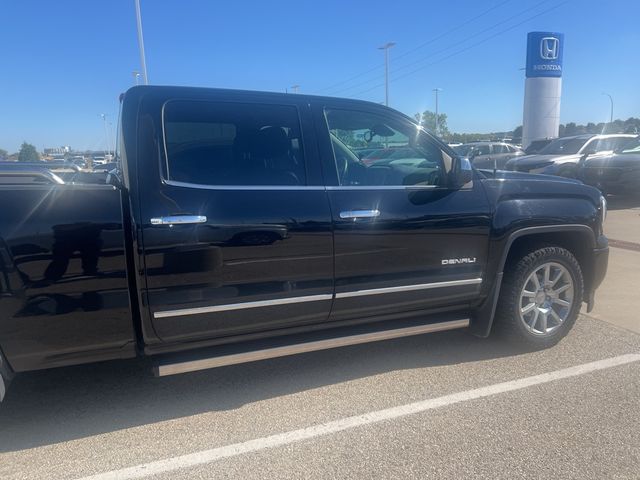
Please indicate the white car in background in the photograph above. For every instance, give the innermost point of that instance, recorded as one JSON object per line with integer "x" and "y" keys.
{"x": 563, "y": 156}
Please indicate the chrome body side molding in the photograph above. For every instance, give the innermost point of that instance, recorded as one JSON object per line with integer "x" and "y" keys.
{"x": 408, "y": 288}
{"x": 312, "y": 298}
{"x": 243, "y": 305}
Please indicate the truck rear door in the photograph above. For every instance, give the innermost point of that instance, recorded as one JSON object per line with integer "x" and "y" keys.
{"x": 235, "y": 221}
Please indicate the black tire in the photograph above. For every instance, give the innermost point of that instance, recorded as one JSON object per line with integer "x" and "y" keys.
{"x": 508, "y": 323}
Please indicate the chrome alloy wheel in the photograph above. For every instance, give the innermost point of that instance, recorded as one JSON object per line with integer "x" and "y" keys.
{"x": 546, "y": 298}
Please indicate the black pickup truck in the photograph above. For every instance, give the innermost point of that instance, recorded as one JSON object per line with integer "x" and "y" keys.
{"x": 243, "y": 225}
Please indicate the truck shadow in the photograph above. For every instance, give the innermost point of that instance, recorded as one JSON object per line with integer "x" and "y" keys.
{"x": 47, "y": 407}
{"x": 623, "y": 202}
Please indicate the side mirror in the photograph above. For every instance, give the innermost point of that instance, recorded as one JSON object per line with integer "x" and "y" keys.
{"x": 461, "y": 172}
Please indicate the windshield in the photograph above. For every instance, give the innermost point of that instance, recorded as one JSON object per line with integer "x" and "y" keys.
{"x": 564, "y": 146}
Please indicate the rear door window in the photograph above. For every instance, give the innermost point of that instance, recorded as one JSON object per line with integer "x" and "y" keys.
{"x": 500, "y": 149}
{"x": 482, "y": 150}
{"x": 209, "y": 143}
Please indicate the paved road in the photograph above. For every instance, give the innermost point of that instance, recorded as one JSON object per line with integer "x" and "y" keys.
{"x": 623, "y": 219}
{"x": 617, "y": 299}
{"x": 74, "y": 422}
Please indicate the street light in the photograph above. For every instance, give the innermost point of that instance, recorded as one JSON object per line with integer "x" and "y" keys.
{"x": 611, "y": 99}
{"x": 106, "y": 132}
{"x": 143, "y": 62}
{"x": 437, "y": 90}
{"x": 136, "y": 77}
{"x": 295, "y": 88}
{"x": 386, "y": 48}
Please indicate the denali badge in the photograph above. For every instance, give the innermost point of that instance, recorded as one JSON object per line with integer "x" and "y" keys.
{"x": 454, "y": 261}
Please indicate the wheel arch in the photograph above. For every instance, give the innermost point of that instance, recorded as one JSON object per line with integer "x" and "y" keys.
{"x": 577, "y": 238}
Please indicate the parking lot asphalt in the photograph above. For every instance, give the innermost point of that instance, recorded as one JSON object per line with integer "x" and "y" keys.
{"x": 80, "y": 421}
{"x": 445, "y": 405}
{"x": 623, "y": 219}
{"x": 617, "y": 299}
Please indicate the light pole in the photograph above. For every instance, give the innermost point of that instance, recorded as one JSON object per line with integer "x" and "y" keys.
{"x": 386, "y": 48}
{"x": 106, "y": 132}
{"x": 136, "y": 77}
{"x": 437, "y": 90}
{"x": 611, "y": 113}
{"x": 143, "y": 62}
{"x": 295, "y": 88}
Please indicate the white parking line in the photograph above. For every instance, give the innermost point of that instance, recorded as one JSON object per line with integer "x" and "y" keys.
{"x": 214, "y": 454}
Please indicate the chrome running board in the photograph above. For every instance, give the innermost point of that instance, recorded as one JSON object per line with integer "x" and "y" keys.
{"x": 191, "y": 365}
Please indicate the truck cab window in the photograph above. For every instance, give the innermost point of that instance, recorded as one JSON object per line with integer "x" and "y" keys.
{"x": 376, "y": 150}
{"x": 233, "y": 144}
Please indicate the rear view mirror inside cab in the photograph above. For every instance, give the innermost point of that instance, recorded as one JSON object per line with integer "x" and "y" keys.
{"x": 382, "y": 130}
{"x": 379, "y": 130}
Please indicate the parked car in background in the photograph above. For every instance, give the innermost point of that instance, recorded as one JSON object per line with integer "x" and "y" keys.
{"x": 105, "y": 167}
{"x": 563, "y": 155}
{"x": 489, "y": 154}
{"x": 617, "y": 173}
{"x": 537, "y": 145}
{"x": 78, "y": 160}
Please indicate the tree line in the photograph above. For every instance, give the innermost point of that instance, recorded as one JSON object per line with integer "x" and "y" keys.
{"x": 428, "y": 120}
{"x": 27, "y": 153}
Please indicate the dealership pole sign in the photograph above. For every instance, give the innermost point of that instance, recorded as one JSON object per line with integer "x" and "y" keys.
{"x": 543, "y": 86}
{"x": 544, "y": 54}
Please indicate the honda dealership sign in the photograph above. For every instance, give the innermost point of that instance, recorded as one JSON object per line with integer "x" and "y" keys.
{"x": 544, "y": 54}
{"x": 543, "y": 86}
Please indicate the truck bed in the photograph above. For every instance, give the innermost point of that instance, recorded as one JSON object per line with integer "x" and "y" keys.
{"x": 63, "y": 282}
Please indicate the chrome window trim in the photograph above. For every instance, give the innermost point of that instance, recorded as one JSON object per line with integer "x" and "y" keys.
{"x": 383, "y": 187}
{"x": 241, "y": 306}
{"x": 312, "y": 298}
{"x": 408, "y": 288}
{"x": 175, "y": 183}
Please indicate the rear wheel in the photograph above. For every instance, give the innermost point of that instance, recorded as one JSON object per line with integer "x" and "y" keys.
{"x": 540, "y": 297}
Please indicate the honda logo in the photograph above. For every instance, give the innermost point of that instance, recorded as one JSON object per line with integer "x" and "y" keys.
{"x": 549, "y": 47}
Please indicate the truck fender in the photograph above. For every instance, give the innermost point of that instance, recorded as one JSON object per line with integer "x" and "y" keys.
{"x": 482, "y": 318}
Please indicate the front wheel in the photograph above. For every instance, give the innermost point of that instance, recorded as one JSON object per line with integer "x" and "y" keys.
{"x": 540, "y": 297}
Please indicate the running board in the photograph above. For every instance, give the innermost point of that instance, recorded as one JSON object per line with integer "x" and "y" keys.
{"x": 165, "y": 368}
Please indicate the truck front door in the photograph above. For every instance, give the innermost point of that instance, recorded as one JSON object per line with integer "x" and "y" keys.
{"x": 405, "y": 242}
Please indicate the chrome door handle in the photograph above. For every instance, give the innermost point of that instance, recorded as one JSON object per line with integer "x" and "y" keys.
{"x": 179, "y": 220}
{"x": 360, "y": 214}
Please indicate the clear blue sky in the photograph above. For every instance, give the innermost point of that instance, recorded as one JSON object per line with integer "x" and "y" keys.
{"x": 64, "y": 62}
